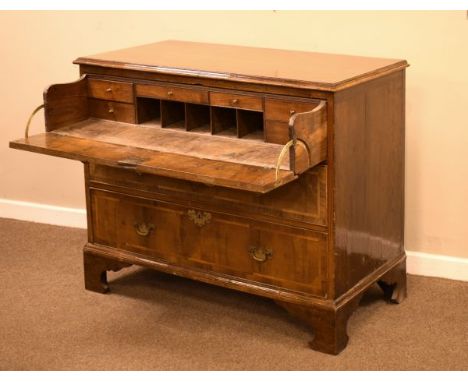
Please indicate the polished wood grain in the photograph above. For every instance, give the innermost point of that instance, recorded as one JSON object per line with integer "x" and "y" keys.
{"x": 65, "y": 104}
{"x": 302, "y": 203}
{"x": 278, "y": 112}
{"x": 212, "y": 84}
{"x": 239, "y": 63}
{"x": 238, "y": 101}
{"x": 276, "y": 132}
{"x": 329, "y": 325}
{"x": 369, "y": 135}
{"x": 226, "y": 174}
{"x": 118, "y": 91}
{"x": 173, "y": 93}
{"x": 95, "y": 271}
{"x": 180, "y": 177}
{"x": 221, "y": 244}
{"x": 281, "y": 109}
{"x": 110, "y": 110}
{"x": 310, "y": 128}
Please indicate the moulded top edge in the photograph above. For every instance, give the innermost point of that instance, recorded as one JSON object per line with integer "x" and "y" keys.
{"x": 312, "y": 70}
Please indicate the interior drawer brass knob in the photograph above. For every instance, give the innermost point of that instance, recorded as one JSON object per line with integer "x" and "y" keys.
{"x": 170, "y": 92}
{"x": 260, "y": 254}
{"x": 235, "y": 101}
{"x": 143, "y": 229}
{"x": 108, "y": 90}
{"x": 291, "y": 112}
{"x": 200, "y": 218}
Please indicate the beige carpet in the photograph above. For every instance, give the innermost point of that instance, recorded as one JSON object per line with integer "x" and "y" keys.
{"x": 153, "y": 321}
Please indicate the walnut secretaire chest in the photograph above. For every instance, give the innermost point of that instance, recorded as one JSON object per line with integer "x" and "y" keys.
{"x": 277, "y": 173}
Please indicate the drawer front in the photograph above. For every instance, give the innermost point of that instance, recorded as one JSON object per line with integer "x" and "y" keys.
{"x": 282, "y": 110}
{"x": 236, "y": 101}
{"x": 173, "y": 93}
{"x": 110, "y": 90}
{"x": 276, "y": 132}
{"x": 115, "y": 111}
{"x": 136, "y": 225}
{"x": 302, "y": 201}
{"x": 276, "y": 255}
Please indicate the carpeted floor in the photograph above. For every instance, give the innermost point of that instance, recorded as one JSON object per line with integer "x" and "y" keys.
{"x": 154, "y": 321}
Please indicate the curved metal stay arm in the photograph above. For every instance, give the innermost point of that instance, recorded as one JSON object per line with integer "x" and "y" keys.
{"x": 26, "y": 131}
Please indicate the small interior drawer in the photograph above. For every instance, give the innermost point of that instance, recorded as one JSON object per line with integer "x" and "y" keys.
{"x": 282, "y": 110}
{"x": 114, "y": 111}
{"x": 237, "y": 101}
{"x": 290, "y": 258}
{"x": 110, "y": 90}
{"x": 174, "y": 93}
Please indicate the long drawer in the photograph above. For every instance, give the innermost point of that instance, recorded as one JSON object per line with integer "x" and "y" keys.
{"x": 302, "y": 201}
{"x": 281, "y": 256}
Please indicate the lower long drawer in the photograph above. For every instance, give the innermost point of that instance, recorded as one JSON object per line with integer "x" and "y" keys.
{"x": 281, "y": 256}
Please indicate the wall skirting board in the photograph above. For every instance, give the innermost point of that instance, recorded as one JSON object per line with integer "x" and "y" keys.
{"x": 43, "y": 213}
{"x": 419, "y": 263}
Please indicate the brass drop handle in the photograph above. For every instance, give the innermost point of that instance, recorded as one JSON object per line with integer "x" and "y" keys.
{"x": 260, "y": 254}
{"x": 110, "y": 108}
{"x": 235, "y": 101}
{"x": 143, "y": 229}
{"x": 199, "y": 218}
{"x": 170, "y": 92}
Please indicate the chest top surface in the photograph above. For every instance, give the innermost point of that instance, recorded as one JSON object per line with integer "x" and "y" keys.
{"x": 320, "y": 71}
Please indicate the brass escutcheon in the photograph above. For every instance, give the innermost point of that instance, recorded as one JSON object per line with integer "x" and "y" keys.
{"x": 260, "y": 254}
{"x": 200, "y": 218}
{"x": 143, "y": 229}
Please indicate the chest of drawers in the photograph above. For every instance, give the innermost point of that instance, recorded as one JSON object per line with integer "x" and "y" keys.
{"x": 277, "y": 173}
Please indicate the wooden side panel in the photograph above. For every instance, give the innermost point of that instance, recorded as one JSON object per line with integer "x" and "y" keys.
{"x": 65, "y": 104}
{"x": 369, "y": 136}
{"x": 311, "y": 129}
